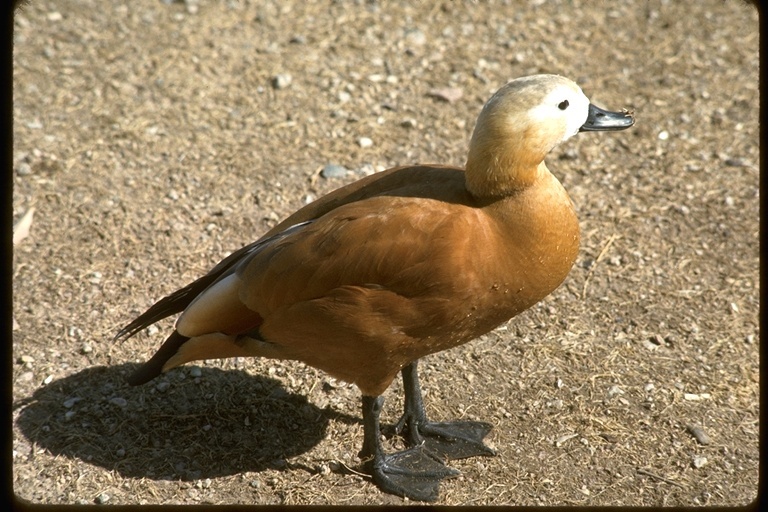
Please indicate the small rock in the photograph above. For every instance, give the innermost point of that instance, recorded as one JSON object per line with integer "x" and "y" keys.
{"x": 663, "y": 135}
{"x": 102, "y": 498}
{"x": 195, "y": 371}
{"x": 70, "y": 402}
{"x": 699, "y": 461}
{"x": 416, "y": 37}
{"x": 118, "y": 401}
{"x": 34, "y": 124}
{"x": 86, "y": 348}
{"x": 25, "y": 359}
{"x": 449, "y": 94}
{"x": 298, "y": 39}
{"x": 256, "y": 484}
{"x": 281, "y": 81}
{"x": 364, "y": 142}
{"x": 334, "y": 171}
{"x": 120, "y": 452}
{"x": 55, "y": 16}
{"x": 24, "y": 169}
{"x": 405, "y": 123}
{"x": 698, "y": 433}
{"x": 192, "y": 6}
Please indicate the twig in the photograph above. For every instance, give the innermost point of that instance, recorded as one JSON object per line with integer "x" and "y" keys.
{"x": 645, "y": 472}
{"x": 597, "y": 260}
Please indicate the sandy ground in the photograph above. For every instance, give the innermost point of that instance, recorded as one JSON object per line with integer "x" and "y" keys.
{"x": 152, "y": 138}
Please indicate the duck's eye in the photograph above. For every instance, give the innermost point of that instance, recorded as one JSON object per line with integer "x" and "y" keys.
{"x": 563, "y": 105}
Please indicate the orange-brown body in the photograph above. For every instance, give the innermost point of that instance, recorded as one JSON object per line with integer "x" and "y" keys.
{"x": 408, "y": 262}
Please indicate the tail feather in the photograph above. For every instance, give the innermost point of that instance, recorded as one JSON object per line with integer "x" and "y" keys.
{"x": 154, "y": 366}
{"x": 180, "y": 299}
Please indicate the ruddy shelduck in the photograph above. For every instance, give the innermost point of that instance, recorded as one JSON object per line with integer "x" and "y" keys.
{"x": 414, "y": 260}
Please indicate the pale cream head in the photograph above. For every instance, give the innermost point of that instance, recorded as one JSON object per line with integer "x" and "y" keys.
{"x": 518, "y": 126}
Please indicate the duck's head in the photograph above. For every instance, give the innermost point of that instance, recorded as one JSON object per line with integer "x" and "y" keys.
{"x": 521, "y": 123}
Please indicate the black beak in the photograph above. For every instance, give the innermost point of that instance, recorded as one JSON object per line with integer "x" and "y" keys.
{"x": 599, "y": 120}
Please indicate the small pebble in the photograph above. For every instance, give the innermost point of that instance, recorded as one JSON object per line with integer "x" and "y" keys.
{"x": 281, "y": 81}
{"x": 195, "y": 371}
{"x": 699, "y": 461}
{"x": 25, "y": 359}
{"x": 102, "y": 498}
{"x": 118, "y": 401}
{"x": 192, "y": 6}
{"x": 70, "y": 402}
{"x": 698, "y": 433}
{"x": 405, "y": 123}
{"x": 416, "y": 37}
{"x": 163, "y": 386}
{"x": 333, "y": 171}
{"x": 24, "y": 169}
{"x": 365, "y": 142}
{"x": 663, "y": 135}
{"x": 86, "y": 348}
{"x": 449, "y": 94}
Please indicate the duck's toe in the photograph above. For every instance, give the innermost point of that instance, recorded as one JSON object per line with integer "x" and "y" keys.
{"x": 456, "y": 439}
{"x": 414, "y": 473}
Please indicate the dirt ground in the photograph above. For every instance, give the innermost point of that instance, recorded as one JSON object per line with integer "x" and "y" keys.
{"x": 154, "y": 137}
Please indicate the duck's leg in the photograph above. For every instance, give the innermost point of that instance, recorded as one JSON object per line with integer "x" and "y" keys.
{"x": 450, "y": 439}
{"x": 413, "y": 473}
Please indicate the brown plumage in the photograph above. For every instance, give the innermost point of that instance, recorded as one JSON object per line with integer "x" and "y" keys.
{"x": 411, "y": 261}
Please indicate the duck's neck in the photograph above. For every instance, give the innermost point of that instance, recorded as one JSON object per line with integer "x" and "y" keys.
{"x": 500, "y": 168}
{"x": 497, "y": 179}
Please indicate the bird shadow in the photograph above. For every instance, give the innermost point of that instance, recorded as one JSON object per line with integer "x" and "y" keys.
{"x": 177, "y": 427}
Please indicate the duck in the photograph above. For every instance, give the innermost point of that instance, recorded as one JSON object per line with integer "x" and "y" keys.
{"x": 367, "y": 280}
